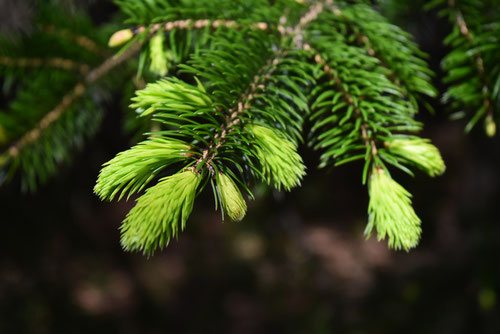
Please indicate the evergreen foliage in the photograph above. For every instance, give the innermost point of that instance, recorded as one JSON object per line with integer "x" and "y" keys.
{"x": 473, "y": 64}
{"x": 226, "y": 90}
{"x": 57, "y": 103}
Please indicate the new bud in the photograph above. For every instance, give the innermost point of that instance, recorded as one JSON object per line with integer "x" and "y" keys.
{"x": 157, "y": 54}
{"x": 390, "y": 212}
{"x": 420, "y": 152}
{"x": 120, "y": 37}
{"x": 232, "y": 201}
{"x": 160, "y": 213}
{"x": 490, "y": 126}
{"x": 281, "y": 165}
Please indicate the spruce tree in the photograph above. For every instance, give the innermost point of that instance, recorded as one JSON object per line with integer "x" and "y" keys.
{"x": 225, "y": 91}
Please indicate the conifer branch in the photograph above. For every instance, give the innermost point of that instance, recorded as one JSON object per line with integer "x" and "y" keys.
{"x": 73, "y": 95}
{"x": 364, "y": 41}
{"x": 394, "y": 49}
{"x": 463, "y": 27}
{"x": 266, "y": 72}
{"x": 260, "y": 68}
{"x": 33, "y": 135}
{"x": 233, "y": 118}
{"x": 366, "y": 133}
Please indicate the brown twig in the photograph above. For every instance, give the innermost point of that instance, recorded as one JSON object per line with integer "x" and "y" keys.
{"x": 197, "y": 24}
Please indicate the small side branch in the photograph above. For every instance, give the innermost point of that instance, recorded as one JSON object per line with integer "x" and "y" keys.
{"x": 244, "y": 103}
{"x": 364, "y": 40}
{"x": 478, "y": 59}
{"x": 69, "y": 99}
{"x": 368, "y": 139}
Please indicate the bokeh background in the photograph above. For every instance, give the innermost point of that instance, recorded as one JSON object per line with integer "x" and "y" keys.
{"x": 298, "y": 263}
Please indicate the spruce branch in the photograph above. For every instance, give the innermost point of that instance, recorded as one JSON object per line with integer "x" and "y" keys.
{"x": 356, "y": 109}
{"x": 351, "y": 103}
{"x": 472, "y": 63}
{"x": 73, "y": 95}
{"x": 51, "y": 117}
{"x": 480, "y": 67}
{"x": 237, "y": 121}
{"x": 42, "y": 140}
{"x": 245, "y": 76}
{"x": 233, "y": 115}
{"x": 364, "y": 127}
{"x": 246, "y": 106}
{"x": 393, "y": 47}
{"x": 272, "y": 173}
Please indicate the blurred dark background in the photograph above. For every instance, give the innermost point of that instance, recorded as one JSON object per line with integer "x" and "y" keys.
{"x": 298, "y": 263}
